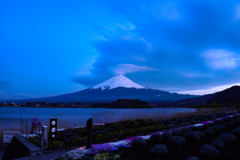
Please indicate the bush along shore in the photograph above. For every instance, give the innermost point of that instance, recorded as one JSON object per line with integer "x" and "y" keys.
{"x": 213, "y": 136}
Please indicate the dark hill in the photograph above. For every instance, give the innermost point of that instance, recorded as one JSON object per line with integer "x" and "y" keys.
{"x": 129, "y": 103}
{"x": 228, "y": 96}
{"x": 195, "y": 101}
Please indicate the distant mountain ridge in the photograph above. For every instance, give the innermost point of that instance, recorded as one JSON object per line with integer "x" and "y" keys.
{"x": 118, "y": 87}
{"x": 196, "y": 100}
{"x": 226, "y": 97}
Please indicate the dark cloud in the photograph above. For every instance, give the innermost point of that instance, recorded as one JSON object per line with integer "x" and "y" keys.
{"x": 171, "y": 37}
{"x": 89, "y": 81}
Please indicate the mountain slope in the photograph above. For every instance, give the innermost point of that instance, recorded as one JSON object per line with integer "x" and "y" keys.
{"x": 98, "y": 95}
{"x": 118, "y": 87}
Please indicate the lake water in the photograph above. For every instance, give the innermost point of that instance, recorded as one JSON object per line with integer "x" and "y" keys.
{"x": 10, "y": 117}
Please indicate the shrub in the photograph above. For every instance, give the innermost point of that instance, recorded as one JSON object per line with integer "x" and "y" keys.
{"x": 101, "y": 156}
{"x": 116, "y": 157}
{"x": 56, "y": 144}
{"x": 115, "y": 134}
{"x": 166, "y": 135}
{"x": 218, "y": 128}
{"x": 184, "y": 130}
{"x": 218, "y": 144}
{"x": 155, "y": 139}
{"x": 99, "y": 137}
{"x": 130, "y": 132}
{"x": 210, "y": 132}
{"x": 196, "y": 128}
{"x": 177, "y": 133}
{"x": 159, "y": 150}
{"x": 229, "y": 125}
{"x": 227, "y": 138}
{"x": 171, "y": 126}
{"x": 123, "y": 134}
{"x": 138, "y": 143}
{"x": 236, "y": 131}
{"x": 208, "y": 152}
{"x": 201, "y": 134}
{"x": 192, "y": 137}
{"x": 162, "y": 127}
{"x": 176, "y": 142}
{"x": 193, "y": 158}
{"x": 149, "y": 129}
{"x": 117, "y": 126}
{"x": 221, "y": 128}
{"x": 77, "y": 142}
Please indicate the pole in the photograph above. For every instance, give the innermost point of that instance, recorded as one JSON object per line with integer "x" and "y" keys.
{"x": 89, "y": 133}
{"x": 44, "y": 137}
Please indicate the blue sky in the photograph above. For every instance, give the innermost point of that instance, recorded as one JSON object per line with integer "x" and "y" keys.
{"x": 54, "y": 47}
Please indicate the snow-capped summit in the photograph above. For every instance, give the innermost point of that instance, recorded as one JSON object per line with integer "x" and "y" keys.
{"x": 118, "y": 81}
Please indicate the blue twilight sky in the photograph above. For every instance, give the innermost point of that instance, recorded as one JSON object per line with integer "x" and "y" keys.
{"x": 54, "y": 47}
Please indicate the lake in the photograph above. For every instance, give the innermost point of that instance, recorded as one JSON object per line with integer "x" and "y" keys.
{"x": 10, "y": 117}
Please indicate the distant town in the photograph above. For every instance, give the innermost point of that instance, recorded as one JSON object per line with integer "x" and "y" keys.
{"x": 91, "y": 105}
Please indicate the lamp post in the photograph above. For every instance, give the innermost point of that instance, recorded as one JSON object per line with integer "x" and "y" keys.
{"x": 53, "y": 129}
{"x": 44, "y": 137}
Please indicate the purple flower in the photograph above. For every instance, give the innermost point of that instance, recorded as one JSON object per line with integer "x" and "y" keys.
{"x": 132, "y": 138}
{"x": 99, "y": 148}
{"x": 123, "y": 146}
{"x": 225, "y": 117}
{"x": 205, "y": 122}
{"x": 35, "y": 123}
{"x": 113, "y": 149}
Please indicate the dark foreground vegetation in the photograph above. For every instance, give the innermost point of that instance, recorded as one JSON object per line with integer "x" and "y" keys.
{"x": 218, "y": 140}
{"x": 115, "y": 131}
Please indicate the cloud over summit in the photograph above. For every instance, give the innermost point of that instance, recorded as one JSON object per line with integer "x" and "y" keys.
{"x": 130, "y": 68}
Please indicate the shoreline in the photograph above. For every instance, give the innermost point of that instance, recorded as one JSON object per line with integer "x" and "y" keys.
{"x": 203, "y": 111}
{"x": 94, "y": 107}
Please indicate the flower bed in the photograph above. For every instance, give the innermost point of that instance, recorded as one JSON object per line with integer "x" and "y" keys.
{"x": 197, "y": 132}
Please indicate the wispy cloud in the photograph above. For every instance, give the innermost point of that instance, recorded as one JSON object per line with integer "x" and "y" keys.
{"x": 127, "y": 26}
{"x": 167, "y": 10}
{"x": 238, "y": 12}
{"x": 18, "y": 95}
{"x": 2, "y": 92}
{"x": 131, "y": 68}
{"x": 195, "y": 74}
{"x": 221, "y": 59}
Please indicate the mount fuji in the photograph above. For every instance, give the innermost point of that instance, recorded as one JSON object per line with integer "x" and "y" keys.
{"x": 117, "y": 87}
{"x": 118, "y": 81}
